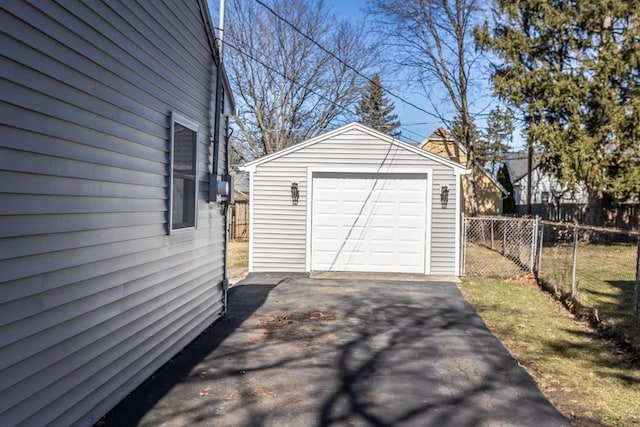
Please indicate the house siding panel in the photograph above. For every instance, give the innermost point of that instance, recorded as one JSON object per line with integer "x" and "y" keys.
{"x": 93, "y": 290}
{"x": 279, "y": 228}
{"x": 443, "y": 241}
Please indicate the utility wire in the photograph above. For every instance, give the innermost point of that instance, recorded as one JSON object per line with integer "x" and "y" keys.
{"x": 333, "y": 55}
{"x": 273, "y": 70}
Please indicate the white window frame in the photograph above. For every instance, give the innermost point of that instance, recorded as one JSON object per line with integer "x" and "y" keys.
{"x": 193, "y": 126}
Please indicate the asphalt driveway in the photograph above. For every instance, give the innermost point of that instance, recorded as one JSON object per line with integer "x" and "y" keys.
{"x": 356, "y": 351}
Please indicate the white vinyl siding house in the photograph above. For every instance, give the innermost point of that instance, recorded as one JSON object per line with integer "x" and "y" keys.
{"x": 546, "y": 189}
{"x": 366, "y": 202}
{"x": 96, "y": 292}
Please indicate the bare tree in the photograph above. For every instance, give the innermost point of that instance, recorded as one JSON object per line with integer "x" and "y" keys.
{"x": 285, "y": 72}
{"x": 433, "y": 40}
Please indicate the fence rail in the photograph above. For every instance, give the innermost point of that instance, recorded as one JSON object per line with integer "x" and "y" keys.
{"x": 596, "y": 268}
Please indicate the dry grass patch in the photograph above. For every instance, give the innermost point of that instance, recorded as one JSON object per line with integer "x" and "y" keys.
{"x": 238, "y": 255}
{"x": 584, "y": 377}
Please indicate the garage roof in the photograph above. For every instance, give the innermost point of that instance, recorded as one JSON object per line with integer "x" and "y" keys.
{"x": 346, "y": 128}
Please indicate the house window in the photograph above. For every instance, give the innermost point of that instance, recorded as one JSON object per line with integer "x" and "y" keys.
{"x": 545, "y": 197}
{"x": 184, "y": 176}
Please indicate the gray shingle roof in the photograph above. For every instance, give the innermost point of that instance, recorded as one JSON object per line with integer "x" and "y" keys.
{"x": 518, "y": 164}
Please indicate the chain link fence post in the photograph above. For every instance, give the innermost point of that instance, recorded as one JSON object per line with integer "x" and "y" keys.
{"x": 463, "y": 261}
{"x": 534, "y": 235}
{"x": 540, "y": 245}
{"x": 636, "y": 294}
{"x": 492, "y": 239}
{"x": 574, "y": 284}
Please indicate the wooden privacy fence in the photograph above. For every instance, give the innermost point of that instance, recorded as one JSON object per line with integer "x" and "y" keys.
{"x": 624, "y": 216}
{"x": 239, "y": 222}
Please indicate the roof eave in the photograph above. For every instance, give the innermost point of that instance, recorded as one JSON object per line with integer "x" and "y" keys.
{"x": 251, "y": 166}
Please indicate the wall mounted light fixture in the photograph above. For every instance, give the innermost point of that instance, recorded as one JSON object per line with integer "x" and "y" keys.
{"x": 444, "y": 196}
{"x": 295, "y": 193}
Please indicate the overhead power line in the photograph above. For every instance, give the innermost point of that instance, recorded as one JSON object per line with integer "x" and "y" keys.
{"x": 273, "y": 70}
{"x": 281, "y": 74}
{"x": 333, "y": 55}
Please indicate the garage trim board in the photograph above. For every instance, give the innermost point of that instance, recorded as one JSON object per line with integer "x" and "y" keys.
{"x": 374, "y": 221}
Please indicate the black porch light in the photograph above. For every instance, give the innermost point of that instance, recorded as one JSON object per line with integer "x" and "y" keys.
{"x": 444, "y": 196}
{"x": 295, "y": 193}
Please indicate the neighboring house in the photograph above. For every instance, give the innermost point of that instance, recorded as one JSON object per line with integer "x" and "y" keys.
{"x": 111, "y": 257}
{"x": 354, "y": 199}
{"x": 489, "y": 192}
{"x": 546, "y": 188}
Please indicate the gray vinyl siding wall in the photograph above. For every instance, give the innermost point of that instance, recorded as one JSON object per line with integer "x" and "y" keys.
{"x": 94, "y": 293}
{"x": 279, "y": 228}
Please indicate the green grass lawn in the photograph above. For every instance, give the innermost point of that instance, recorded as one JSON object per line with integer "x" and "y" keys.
{"x": 484, "y": 262}
{"x": 582, "y": 375}
{"x": 238, "y": 255}
{"x": 605, "y": 277}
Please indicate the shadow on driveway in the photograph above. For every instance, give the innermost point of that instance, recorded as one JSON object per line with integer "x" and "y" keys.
{"x": 332, "y": 352}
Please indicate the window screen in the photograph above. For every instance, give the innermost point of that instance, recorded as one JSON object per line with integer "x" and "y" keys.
{"x": 183, "y": 176}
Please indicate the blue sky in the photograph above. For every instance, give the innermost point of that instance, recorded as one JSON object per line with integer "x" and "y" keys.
{"x": 410, "y": 117}
{"x": 416, "y": 125}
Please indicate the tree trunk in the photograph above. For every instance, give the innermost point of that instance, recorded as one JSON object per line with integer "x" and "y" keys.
{"x": 594, "y": 208}
{"x": 529, "y": 178}
{"x": 471, "y": 160}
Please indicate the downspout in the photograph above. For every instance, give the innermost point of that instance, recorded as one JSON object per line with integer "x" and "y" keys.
{"x": 218, "y": 110}
{"x": 219, "y": 185}
{"x": 220, "y": 193}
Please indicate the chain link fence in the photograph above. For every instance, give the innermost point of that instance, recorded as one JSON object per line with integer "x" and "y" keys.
{"x": 595, "y": 270}
{"x": 499, "y": 247}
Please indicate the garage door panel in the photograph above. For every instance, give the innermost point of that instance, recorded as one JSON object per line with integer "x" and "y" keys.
{"x": 327, "y": 232}
{"x": 386, "y": 209}
{"x": 379, "y": 259}
{"x": 382, "y": 239}
{"x": 355, "y": 209}
{"x": 409, "y": 256}
{"x": 414, "y": 202}
{"x": 410, "y": 234}
{"x": 373, "y": 223}
{"x": 328, "y": 208}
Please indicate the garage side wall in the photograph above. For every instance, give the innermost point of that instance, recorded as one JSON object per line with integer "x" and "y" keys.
{"x": 279, "y": 228}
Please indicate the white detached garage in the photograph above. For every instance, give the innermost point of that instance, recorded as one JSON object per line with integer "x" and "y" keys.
{"x": 354, "y": 199}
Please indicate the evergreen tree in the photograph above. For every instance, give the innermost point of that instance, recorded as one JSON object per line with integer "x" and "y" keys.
{"x": 375, "y": 109}
{"x": 495, "y": 141}
{"x": 573, "y": 67}
{"x": 492, "y": 144}
{"x": 457, "y": 130}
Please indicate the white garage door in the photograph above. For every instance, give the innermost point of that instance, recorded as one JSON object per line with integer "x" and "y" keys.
{"x": 369, "y": 222}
